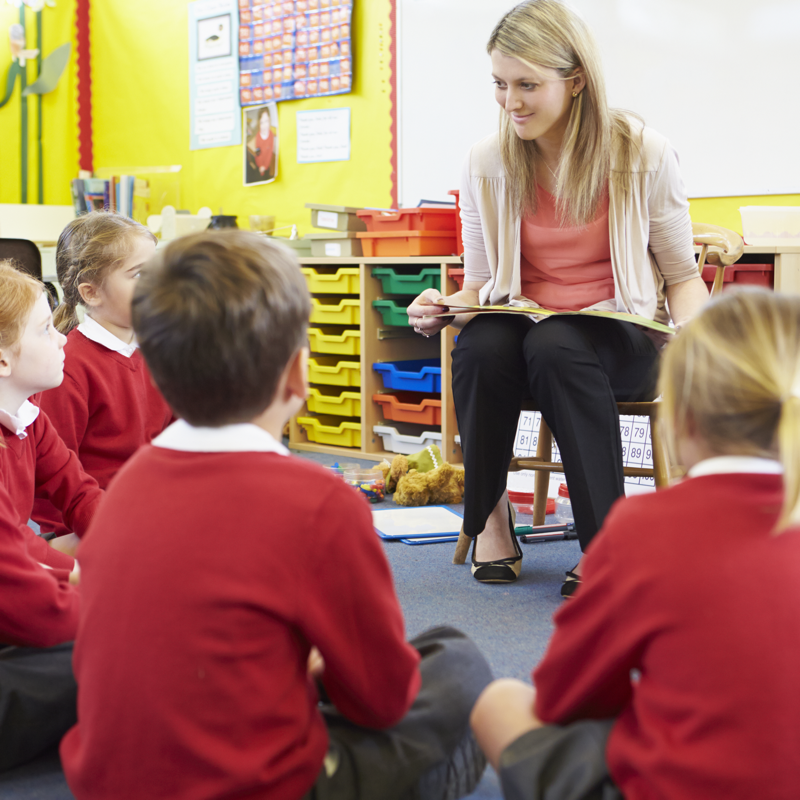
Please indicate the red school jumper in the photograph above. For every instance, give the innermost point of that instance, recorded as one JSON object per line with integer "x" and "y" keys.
{"x": 690, "y": 587}
{"x": 104, "y": 410}
{"x": 41, "y": 466}
{"x": 206, "y": 578}
{"x": 38, "y": 608}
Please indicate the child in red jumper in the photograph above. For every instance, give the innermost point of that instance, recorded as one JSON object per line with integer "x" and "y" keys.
{"x": 38, "y": 607}
{"x": 249, "y": 576}
{"x": 673, "y": 671}
{"x": 107, "y": 406}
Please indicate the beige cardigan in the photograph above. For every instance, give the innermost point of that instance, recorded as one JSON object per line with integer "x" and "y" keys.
{"x": 650, "y": 231}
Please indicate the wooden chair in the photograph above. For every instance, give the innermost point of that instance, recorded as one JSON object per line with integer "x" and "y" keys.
{"x": 719, "y": 247}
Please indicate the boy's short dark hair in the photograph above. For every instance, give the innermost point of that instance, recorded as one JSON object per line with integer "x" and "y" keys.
{"x": 218, "y": 315}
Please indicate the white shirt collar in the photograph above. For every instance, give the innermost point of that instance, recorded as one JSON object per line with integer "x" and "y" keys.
{"x": 722, "y": 465}
{"x": 26, "y": 415}
{"x": 241, "y": 438}
{"x": 93, "y": 330}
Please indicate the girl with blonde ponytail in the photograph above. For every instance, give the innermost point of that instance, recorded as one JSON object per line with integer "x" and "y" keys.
{"x": 673, "y": 670}
{"x": 571, "y": 206}
{"x": 107, "y": 405}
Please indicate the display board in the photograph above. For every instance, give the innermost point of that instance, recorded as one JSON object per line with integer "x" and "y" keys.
{"x": 716, "y": 78}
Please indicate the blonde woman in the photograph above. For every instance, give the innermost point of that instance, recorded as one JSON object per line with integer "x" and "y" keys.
{"x": 673, "y": 671}
{"x": 572, "y": 205}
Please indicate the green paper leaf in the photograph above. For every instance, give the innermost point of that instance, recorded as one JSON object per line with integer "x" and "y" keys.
{"x": 52, "y": 68}
{"x": 13, "y": 71}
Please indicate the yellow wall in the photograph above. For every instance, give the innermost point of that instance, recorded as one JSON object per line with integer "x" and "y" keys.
{"x": 141, "y": 116}
{"x": 724, "y": 211}
{"x": 59, "y": 111}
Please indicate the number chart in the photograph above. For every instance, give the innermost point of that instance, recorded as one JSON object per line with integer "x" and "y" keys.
{"x": 637, "y": 449}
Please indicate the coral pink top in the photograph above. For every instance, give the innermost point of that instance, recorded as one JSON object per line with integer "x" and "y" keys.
{"x": 565, "y": 269}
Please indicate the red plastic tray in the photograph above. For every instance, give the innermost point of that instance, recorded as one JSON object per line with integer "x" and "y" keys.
{"x": 407, "y": 407}
{"x": 741, "y": 275}
{"x": 457, "y": 274}
{"x": 459, "y": 240}
{"x": 409, "y": 219}
{"x": 523, "y": 503}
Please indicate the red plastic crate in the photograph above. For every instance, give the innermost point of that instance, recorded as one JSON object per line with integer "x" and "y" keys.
{"x": 459, "y": 240}
{"x": 409, "y": 219}
{"x": 457, "y": 274}
{"x": 408, "y": 243}
{"x": 741, "y": 275}
{"x": 523, "y": 503}
{"x": 407, "y": 407}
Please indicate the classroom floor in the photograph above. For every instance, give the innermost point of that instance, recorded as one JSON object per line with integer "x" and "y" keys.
{"x": 511, "y": 624}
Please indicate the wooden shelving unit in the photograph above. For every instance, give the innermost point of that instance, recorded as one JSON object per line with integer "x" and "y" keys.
{"x": 382, "y": 343}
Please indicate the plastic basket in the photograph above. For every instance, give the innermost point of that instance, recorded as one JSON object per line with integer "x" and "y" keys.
{"x": 392, "y": 313}
{"x": 409, "y": 219}
{"x": 394, "y": 282}
{"x": 345, "y": 404}
{"x": 325, "y": 430}
{"x": 335, "y": 341}
{"x": 396, "y": 441}
{"x": 418, "y": 375}
{"x": 742, "y": 275}
{"x": 343, "y": 281}
{"x": 407, "y": 408}
{"x": 330, "y": 371}
{"x": 409, "y": 243}
{"x": 327, "y": 312}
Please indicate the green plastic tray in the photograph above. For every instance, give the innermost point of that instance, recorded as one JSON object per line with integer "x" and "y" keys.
{"x": 397, "y": 283}
{"x": 392, "y": 313}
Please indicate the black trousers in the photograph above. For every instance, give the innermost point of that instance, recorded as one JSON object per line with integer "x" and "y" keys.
{"x": 575, "y": 368}
{"x": 414, "y": 758}
{"x": 37, "y": 700}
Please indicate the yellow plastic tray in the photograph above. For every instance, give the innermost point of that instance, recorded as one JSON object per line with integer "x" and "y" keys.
{"x": 343, "y": 281}
{"x": 333, "y": 372}
{"x": 345, "y": 312}
{"x": 346, "y": 404}
{"x": 344, "y": 434}
{"x": 346, "y": 343}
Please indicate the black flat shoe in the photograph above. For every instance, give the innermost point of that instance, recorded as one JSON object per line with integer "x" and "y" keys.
{"x": 571, "y": 584}
{"x": 503, "y": 570}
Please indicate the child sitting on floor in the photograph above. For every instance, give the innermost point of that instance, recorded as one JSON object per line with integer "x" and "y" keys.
{"x": 38, "y": 607}
{"x": 673, "y": 673}
{"x": 107, "y": 406}
{"x": 195, "y": 662}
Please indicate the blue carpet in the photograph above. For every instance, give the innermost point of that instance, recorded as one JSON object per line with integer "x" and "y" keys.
{"x": 511, "y": 625}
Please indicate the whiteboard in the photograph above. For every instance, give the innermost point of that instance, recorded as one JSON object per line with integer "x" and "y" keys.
{"x": 718, "y": 78}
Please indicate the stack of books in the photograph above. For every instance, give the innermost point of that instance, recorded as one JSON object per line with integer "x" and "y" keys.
{"x": 97, "y": 194}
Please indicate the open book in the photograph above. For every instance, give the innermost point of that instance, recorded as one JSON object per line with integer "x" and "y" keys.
{"x": 537, "y": 311}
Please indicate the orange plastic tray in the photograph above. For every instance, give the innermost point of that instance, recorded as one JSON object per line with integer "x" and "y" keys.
{"x": 409, "y": 243}
{"x": 398, "y": 407}
{"x": 409, "y": 219}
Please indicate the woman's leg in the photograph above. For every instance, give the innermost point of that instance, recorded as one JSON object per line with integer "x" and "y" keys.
{"x": 489, "y": 382}
{"x": 579, "y": 367}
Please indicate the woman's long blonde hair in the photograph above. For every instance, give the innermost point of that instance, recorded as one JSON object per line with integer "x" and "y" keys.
{"x": 89, "y": 248}
{"x": 546, "y": 33}
{"x": 732, "y": 378}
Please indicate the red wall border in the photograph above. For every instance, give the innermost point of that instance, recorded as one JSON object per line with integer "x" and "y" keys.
{"x": 393, "y": 94}
{"x": 84, "y": 80}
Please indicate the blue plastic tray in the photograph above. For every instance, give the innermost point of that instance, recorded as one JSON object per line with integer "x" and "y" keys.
{"x": 420, "y": 375}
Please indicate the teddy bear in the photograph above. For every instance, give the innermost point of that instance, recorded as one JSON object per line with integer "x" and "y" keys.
{"x": 423, "y": 478}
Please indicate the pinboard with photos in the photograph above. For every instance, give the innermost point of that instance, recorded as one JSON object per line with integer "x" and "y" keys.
{"x": 294, "y": 49}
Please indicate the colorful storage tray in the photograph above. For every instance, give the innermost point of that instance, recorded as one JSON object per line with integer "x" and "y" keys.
{"x": 343, "y": 281}
{"x": 344, "y": 404}
{"x": 418, "y": 375}
{"x": 409, "y": 219}
{"x": 392, "y": 313}
{"x": 394, "y": 282}
{"x": 457, "y": 274}
{"x": 337, "y": 341}
{"x": 327, "y": 430}
{"x": 395, "y": 441}
{"x": 406, "y": 407}
{"x": 327, "y": 312}
{"x": 742, "y": 274}
{"x": 333, "y": 372}
{"x": 409, "y": 243}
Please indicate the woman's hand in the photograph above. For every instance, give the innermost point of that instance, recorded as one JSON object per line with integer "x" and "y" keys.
{"x": 423, "y": 306}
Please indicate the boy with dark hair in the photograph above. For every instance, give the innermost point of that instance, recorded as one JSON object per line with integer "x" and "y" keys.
{"x": 249, "y": 576}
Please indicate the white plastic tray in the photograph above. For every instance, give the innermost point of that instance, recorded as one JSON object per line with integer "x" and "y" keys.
{"x": 396, "y": 442}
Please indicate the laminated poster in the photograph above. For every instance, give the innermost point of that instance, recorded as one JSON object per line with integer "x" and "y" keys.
{"x": 260, "y": 144}
{"x": 294, "y": 49}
